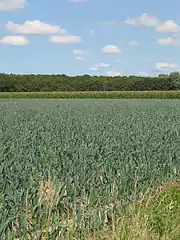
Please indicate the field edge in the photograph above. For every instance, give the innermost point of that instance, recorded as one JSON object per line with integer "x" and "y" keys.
{"x": 93, "y": 95}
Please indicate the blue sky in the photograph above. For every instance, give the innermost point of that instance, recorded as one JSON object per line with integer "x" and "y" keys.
{"x": 74, "y": 37}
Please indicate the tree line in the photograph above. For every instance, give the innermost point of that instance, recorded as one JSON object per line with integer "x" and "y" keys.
{"x": 49, "y": 83}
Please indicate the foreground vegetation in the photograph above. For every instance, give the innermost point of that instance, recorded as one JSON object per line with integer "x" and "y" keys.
{"x": 95, "y": 95}
{"x": 77, "y": 169}
{"x": 156, "y": 217}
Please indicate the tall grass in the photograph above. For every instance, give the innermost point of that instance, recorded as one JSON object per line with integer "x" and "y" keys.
{"x": 95, "y": 95}
{"x": 71, "y": 165}
{"x": 156, "y": 217}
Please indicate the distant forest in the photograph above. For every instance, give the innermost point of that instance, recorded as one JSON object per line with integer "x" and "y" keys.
{"x": 50, "y": 83}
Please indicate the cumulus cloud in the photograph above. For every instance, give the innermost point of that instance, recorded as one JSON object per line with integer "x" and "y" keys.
{"x": 164, "y": 66}
{"x": 168, "y": 41}
{"x": 67, "y": 39}
{"x": 35, "y": 27}
{"x": 152, "y": 21}
{"x": 79, "y": 58}
{"x": 9, "y": 5}
{"x": 143, "y": 20}
{"x": 14, "y": 41}
{"x": 168, "y": 26}
{"x": 79, "y": 52}
{"x": 113, "y": 74}
{"x": 102, "y": 65}
{"x": 111, "y": 49}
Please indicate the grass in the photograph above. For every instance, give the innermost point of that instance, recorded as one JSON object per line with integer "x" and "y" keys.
{"x": 156, "y": 217}
{"x": 76, "y": 169}
{"x": 95, "y": 95}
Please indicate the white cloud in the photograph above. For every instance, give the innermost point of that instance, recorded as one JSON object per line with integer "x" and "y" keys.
{"x": 79, "y": 58}
{"x": 79, "y": 52}
{"x": 168, "y": 26}
{"x": 67, "y": 39}
{"x": 35, "y": 27}
{"x": 168, "y": 41}
{"x": 111, "y": 49}
{"x": 78, "y": 1}
{"x": 133, "y": 43}
{"x": 9, "y": 5}
{"x": 143, "y": 20}
{"x": 102, "y": 65}
{"x": 164, "y": 66}
{"x": 151, "y": 21}
{"x": 14, "y": 41}
{"x": 113, "y": 74}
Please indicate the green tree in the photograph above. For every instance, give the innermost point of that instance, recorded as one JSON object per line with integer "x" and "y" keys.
{"x": 174, "y": 79}
{"x": 163, "y": 75}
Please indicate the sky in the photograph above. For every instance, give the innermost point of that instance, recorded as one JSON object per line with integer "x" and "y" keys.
{"x": 96, "y": 37}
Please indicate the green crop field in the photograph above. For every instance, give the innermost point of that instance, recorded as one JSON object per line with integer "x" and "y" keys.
{"x": 94, "y": 95}
{"x": 77, "y": 163}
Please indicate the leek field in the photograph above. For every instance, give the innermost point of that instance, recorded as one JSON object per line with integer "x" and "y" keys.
{"x": 73, "y": 166}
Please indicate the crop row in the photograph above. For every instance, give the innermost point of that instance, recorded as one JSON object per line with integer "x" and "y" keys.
{"x": 95, "y": 95}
